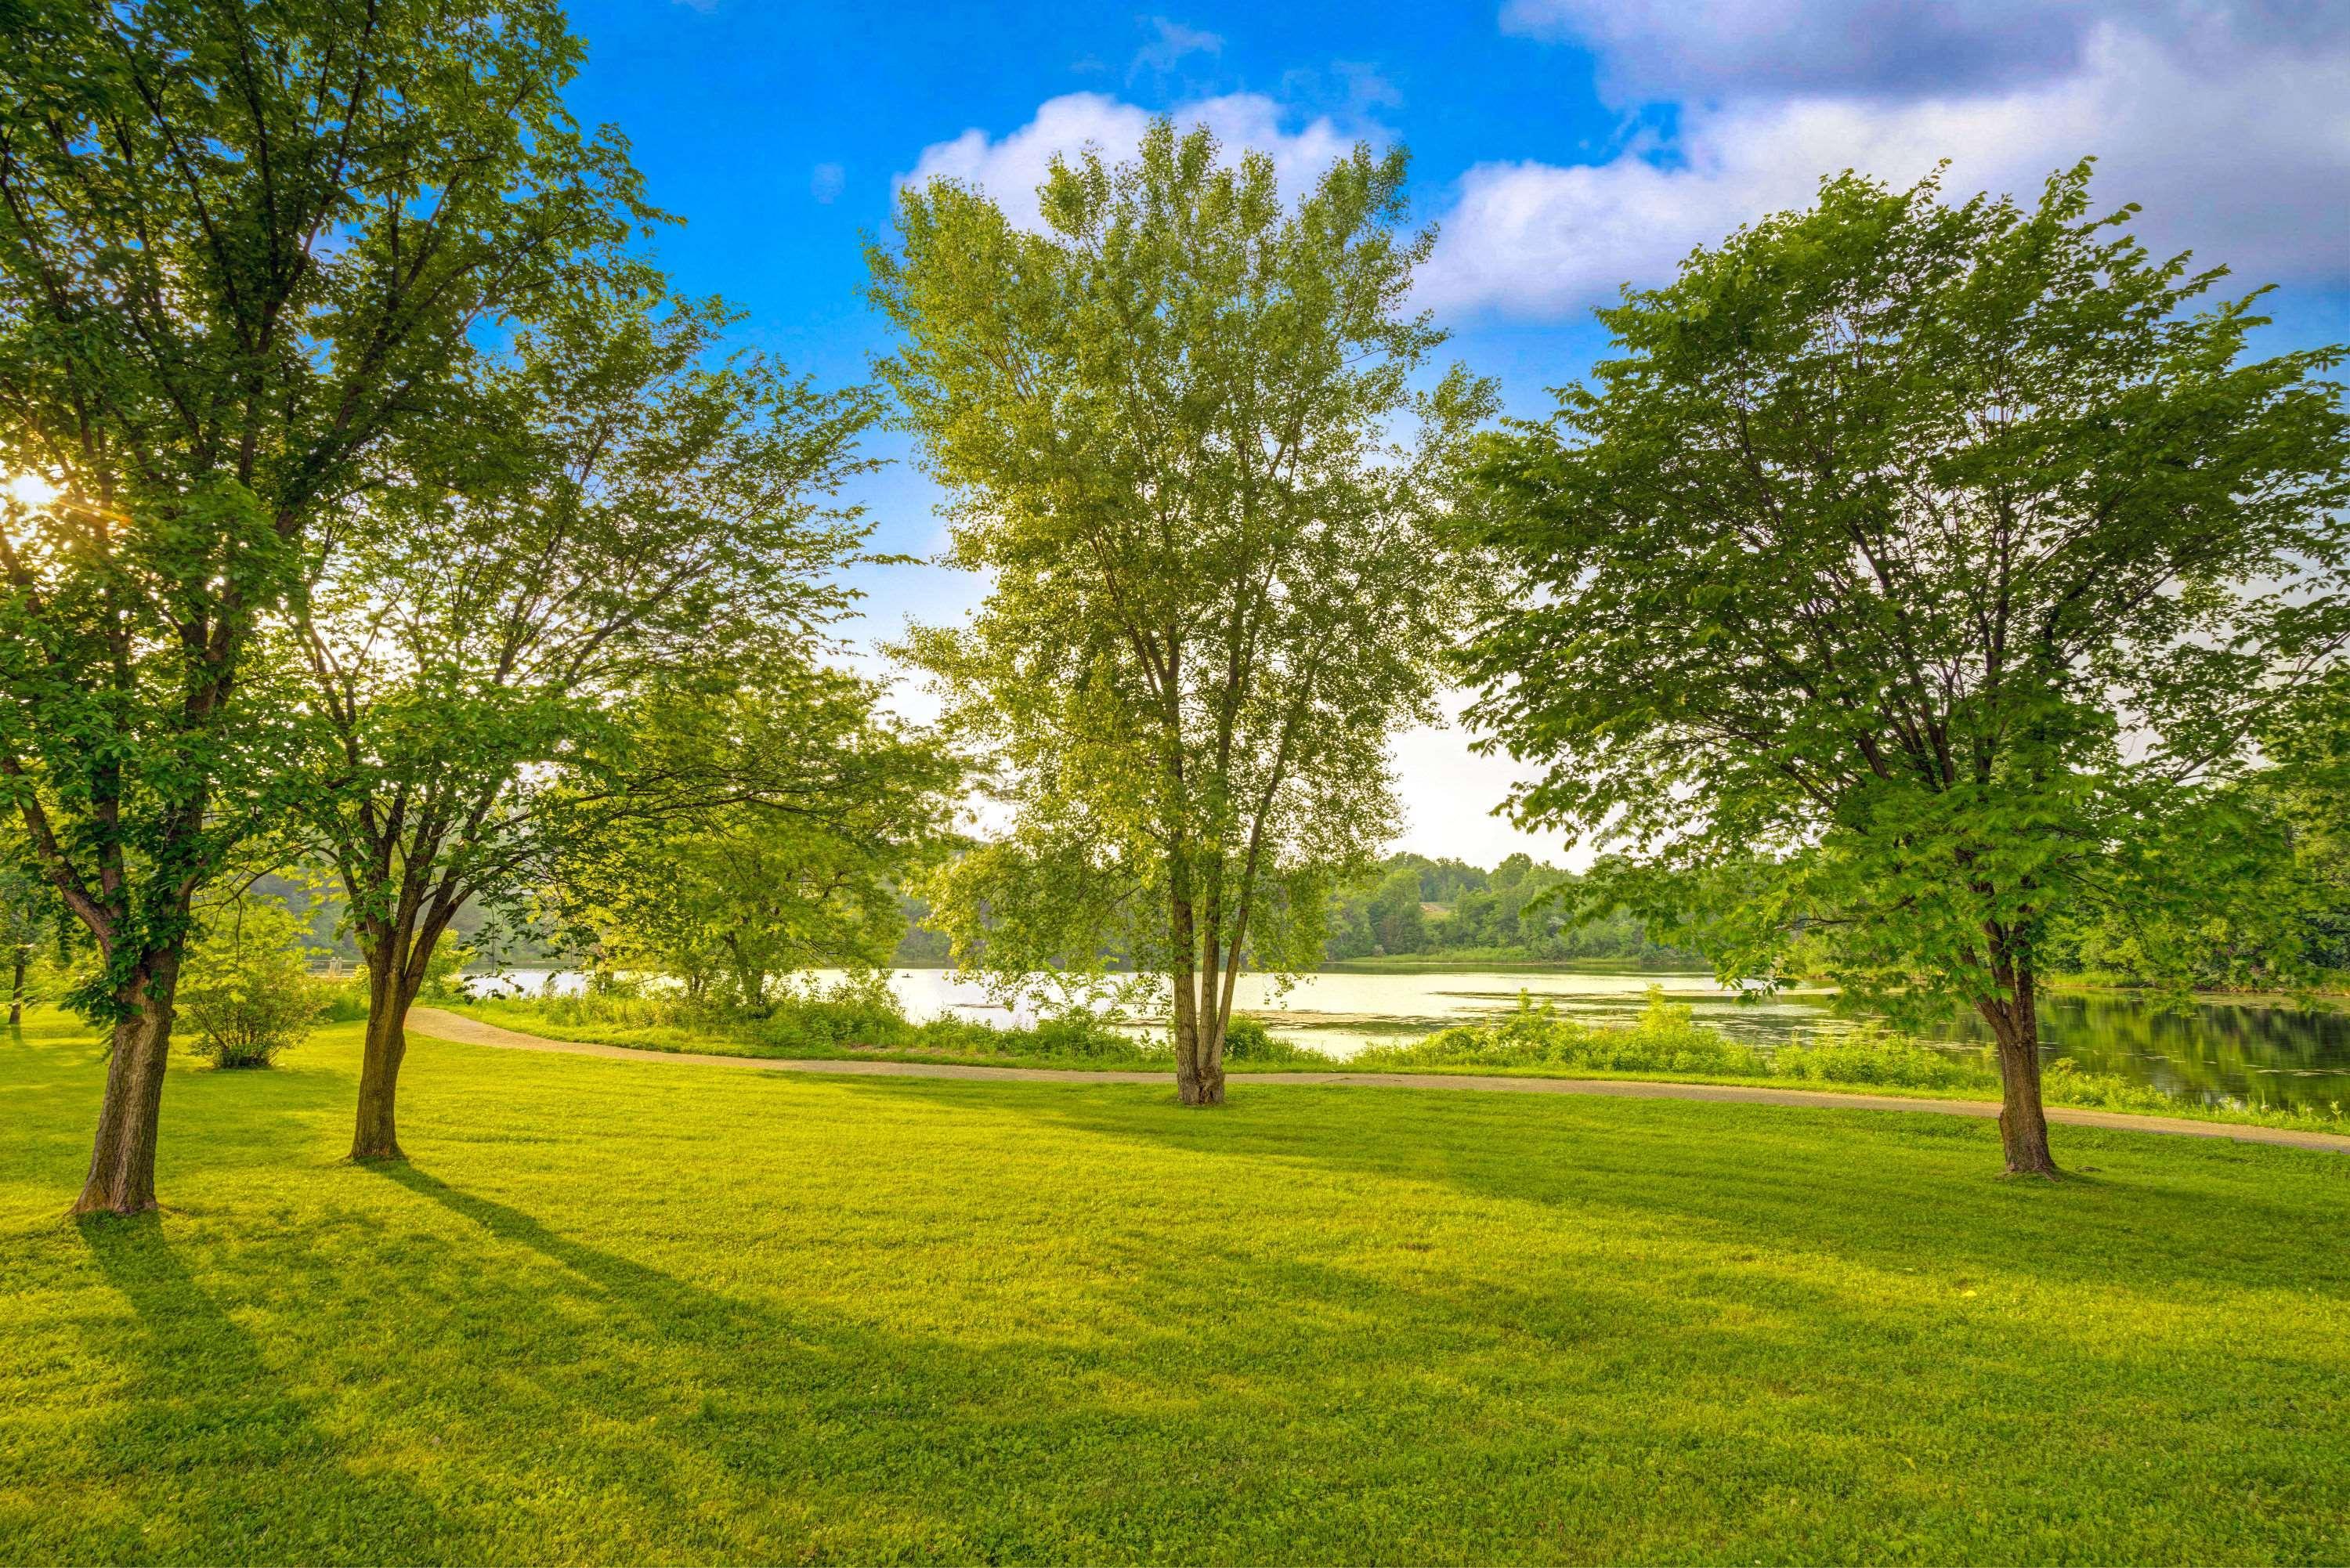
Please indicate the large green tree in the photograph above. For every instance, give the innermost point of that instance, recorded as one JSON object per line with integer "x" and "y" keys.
{"x": 1914, "y": 572}
{"x": 1166, "y": 427}
{"x": 242, "y": 246}
{"x": 813, "y": 801}
{"x": 637, "y": 514}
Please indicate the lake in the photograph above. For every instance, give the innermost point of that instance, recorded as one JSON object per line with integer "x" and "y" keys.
{"x": 2249, "y": 1049}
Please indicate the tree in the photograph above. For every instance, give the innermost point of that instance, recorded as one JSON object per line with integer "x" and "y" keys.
{"x": 27, "y": 914}
{"x": 1216, "y": 591}
{"x": 2308, "y": 787}
{"x": 1397, "y": 921}
{"x": 240, "y": 247}
{"x": 1911, "y": 570}
{"x": 824, "y": 801}
{"x": 635, "y": 518}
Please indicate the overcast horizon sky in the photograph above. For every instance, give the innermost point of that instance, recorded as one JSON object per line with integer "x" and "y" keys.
{"x": 1564, "y": 147}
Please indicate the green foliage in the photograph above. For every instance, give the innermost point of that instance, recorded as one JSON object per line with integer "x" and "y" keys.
{"x": 1520, "y": 910}
{"x": 444, "y": 973}
{"x": 1250, "y": 1043}
{"x": 1166, "y": 428}
{"x": 247, "y": 991}
{"x": 246, "y": 250}
{"x": 1873, "y": 1054}
{"x": 344, "y": 1002}
{"x": 800, "y": 804}
{"x": 2289, "y": 924}
{"x": 1665, "y": 1040}
{"x": 642, "y": 527}
{"x": 854, "y": 1016}
{"x": 1908, "y": 586}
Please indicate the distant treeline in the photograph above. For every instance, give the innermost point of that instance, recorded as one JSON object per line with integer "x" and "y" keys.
{"x": 1522, "y": 910}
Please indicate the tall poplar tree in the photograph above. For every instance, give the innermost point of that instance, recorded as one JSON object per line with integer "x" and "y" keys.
{"x": 241, "y": 245}
{"x": 1165, "y": 424}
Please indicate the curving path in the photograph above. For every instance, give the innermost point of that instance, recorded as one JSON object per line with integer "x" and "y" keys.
{"x": 439, "y": 1024}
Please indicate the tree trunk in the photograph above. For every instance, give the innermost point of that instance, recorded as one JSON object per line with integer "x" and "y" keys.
{"x": 17, "y": 992}
{"x": 1199, "y": 1059}
{"x": 377, "y": 1136}
{"x": 122, "y": 1159}
{"x": 2023, "y": 1122}
{"x": 1199, "y": 1070}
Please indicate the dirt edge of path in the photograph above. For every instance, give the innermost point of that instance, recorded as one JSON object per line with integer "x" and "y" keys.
{"x": 440, "y": 1025}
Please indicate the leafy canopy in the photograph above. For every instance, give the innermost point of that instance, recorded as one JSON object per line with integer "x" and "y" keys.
{"x": 639, "y": 516}
{"x": 1915, "y": 573}
{"x": 241, "y": 248}
{"x": 1167, "y": 428}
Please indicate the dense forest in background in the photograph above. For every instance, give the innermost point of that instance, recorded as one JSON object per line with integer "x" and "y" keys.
{"x": 1521, "y": 912}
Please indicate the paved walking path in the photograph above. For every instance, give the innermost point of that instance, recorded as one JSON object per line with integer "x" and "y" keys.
{"x": 443, "y": 1025}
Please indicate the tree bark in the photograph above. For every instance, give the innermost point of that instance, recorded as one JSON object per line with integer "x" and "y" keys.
{"x": 1199, "y": 1058}
{"x": 122, "y": 1158}
{"x": 377, "y": 1136}
{"x": 1199, "y": 1044}
{"x": 2022, "y": 1121}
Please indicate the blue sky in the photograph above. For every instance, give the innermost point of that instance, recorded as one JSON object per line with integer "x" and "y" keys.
{"x": 1564, "y": 147}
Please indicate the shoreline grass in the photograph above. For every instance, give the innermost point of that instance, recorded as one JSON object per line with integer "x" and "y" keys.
{"x": 1841, "y": 1067}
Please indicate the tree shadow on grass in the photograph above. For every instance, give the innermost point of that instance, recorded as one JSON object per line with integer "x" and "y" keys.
{"x": 1268, "y": 1399}
{"x": 1887, "y": 1189}
{"x": 213, "y": 1440}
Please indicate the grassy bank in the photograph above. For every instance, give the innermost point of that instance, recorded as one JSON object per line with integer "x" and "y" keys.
{"x": 1664, "y": 1046}
{"x": 1666, "y": 1043}
{"x": 831, "y": 1029}
{"x": 1505, "y": 960}
{"x": 619, "y": 1311}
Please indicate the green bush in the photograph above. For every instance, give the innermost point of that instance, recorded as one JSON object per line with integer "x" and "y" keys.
{"x": 1871, "y": 1054}
{"x": 1665, "y": 1039}
{"x": 346, "y": 1000}
{"x": 1248, "y": 1040}
{"x": 247, "y": 990}
{"x": 445, "y": 973}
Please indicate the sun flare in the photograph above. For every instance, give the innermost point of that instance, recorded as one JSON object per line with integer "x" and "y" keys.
{"x": 31, "y": 489}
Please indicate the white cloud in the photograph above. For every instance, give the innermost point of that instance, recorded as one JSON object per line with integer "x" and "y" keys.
{"x": 1011, "y": 167}
{"x": 1676, "y": 49}
{"x": 825, "y": 181}
{"x": 1173, "y": 43}
{"x": 2241, "y": 153}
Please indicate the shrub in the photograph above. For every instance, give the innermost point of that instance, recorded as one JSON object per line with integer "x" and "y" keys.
{"x": 1871, "y": 1054}
{"x": 247, "y": 991}
{"x": 344, "y": 1001}
{"x": 445, "y": 973}
{"x": 1248, "y": 1040}
{"x": 1665, "y": 1039}
{"x": 1077, "y": 1033}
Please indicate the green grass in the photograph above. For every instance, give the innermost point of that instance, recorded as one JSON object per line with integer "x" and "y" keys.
{"x": 1536, "y": 1040}
{"x": 1665, "y": 1043}
{"x": 648, "y": 1311}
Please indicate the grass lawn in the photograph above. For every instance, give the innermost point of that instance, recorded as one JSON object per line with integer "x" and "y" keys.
{"x": 631, "y": 1311}
{"x": 2099, "y": 1091}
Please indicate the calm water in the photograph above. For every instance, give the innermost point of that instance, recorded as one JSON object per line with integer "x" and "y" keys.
{"x": 2221, "y": 1050}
